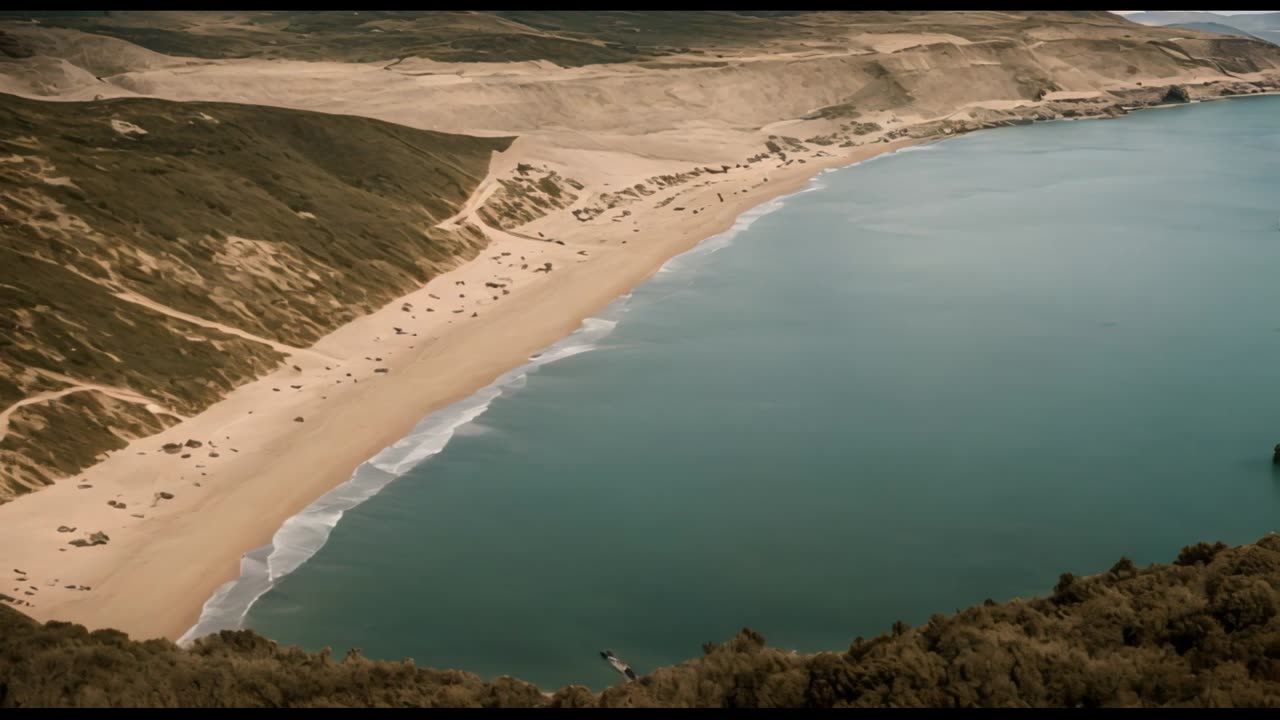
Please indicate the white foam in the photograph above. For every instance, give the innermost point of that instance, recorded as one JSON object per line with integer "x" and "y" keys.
{"x": 302, "y": 536}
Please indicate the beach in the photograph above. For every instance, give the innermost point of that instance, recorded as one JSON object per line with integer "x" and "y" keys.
{"x": 274, "y": 445}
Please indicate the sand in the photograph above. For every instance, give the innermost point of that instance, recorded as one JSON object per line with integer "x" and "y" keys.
{"x": 257, "y": 466}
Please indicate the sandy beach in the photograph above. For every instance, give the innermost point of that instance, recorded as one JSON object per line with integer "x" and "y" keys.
{"x": 274, "y": 445}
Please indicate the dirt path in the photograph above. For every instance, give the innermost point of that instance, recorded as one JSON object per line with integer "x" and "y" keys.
{"x": 166, "y": 310}
{"x": 115, "y": 392}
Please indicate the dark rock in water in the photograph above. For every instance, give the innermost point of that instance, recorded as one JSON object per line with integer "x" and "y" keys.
{"x": 1176, "y": 94}
{"x": 194, "y": 443}
{"x": 171, "y": 447}
{"x": 1276, "y": 457}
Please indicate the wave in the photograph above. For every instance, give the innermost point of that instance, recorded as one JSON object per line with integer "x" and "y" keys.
{"x": 302, "y": 536}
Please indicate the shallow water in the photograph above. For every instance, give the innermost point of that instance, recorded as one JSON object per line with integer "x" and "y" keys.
{"x": 942, "y": 376}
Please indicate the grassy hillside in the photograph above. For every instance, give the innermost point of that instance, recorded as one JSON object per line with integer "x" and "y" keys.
{"x": 1203, "y": 631}
{"x": 279, "y": 223}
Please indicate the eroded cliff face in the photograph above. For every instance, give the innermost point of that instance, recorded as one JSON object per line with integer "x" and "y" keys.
{"x": 158, "y": 254}
{"x": 1203, "y": 631}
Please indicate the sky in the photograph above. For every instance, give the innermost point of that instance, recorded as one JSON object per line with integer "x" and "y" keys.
{"x": 1220, "y": 12}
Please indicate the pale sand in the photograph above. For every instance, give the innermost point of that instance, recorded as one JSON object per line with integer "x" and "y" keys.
{"x": 153, "y": 577}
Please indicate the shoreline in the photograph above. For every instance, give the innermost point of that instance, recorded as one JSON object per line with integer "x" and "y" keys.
{"x": 184, "y": 549}
{"x": 263, "y": 469}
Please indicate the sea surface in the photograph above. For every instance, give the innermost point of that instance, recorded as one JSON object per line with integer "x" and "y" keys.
{"x": 936, "y": 377}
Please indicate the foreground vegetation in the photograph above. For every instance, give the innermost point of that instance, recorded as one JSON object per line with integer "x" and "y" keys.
{"x": 1202, "y": 631}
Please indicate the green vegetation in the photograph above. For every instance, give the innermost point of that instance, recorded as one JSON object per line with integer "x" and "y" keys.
{"x": 282, "y": 223}
{"x": 528, "y": 195}
{"x": 1203, "y": 631}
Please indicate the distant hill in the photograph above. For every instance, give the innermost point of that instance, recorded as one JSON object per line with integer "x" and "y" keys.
{"x": 1214, "y": 27}
{"x": 1258, "y": 27}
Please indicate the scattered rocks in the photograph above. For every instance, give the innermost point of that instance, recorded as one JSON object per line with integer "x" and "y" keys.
{"x": 98, "y": 538}
{"x": 116, "y": 504}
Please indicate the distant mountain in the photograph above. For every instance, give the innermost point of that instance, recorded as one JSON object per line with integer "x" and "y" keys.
{"x": 1177, "y": 17}
{"x": 1214, "y": 27}
{"x": 1258, "y": 27}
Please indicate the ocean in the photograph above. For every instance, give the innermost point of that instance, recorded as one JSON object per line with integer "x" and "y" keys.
{"x": 936, "y": 377}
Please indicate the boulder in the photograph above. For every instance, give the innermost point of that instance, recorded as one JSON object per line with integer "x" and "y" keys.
{"x": 172, "y": 447}
{"x": 99, "y": 538}
{"x": 194, "y": 443}
{"x": 165, "y": 495}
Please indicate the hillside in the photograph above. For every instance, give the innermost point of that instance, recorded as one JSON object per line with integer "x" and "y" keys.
{"x": 155, "y": 255}
{"x": 1203, "y": 631}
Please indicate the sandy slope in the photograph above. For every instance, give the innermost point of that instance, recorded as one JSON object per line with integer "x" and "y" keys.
{"x": 608, "y": 127}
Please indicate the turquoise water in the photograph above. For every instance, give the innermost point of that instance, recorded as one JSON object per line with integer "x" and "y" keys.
{"x": 941, "y": 376}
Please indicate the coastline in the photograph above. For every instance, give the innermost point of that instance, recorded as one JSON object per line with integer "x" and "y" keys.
{"x": 257, "y": 467}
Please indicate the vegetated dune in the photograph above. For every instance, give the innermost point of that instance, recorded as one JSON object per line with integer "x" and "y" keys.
{"x": 1203, "y": 631}
{"x": 119, "y": 219}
